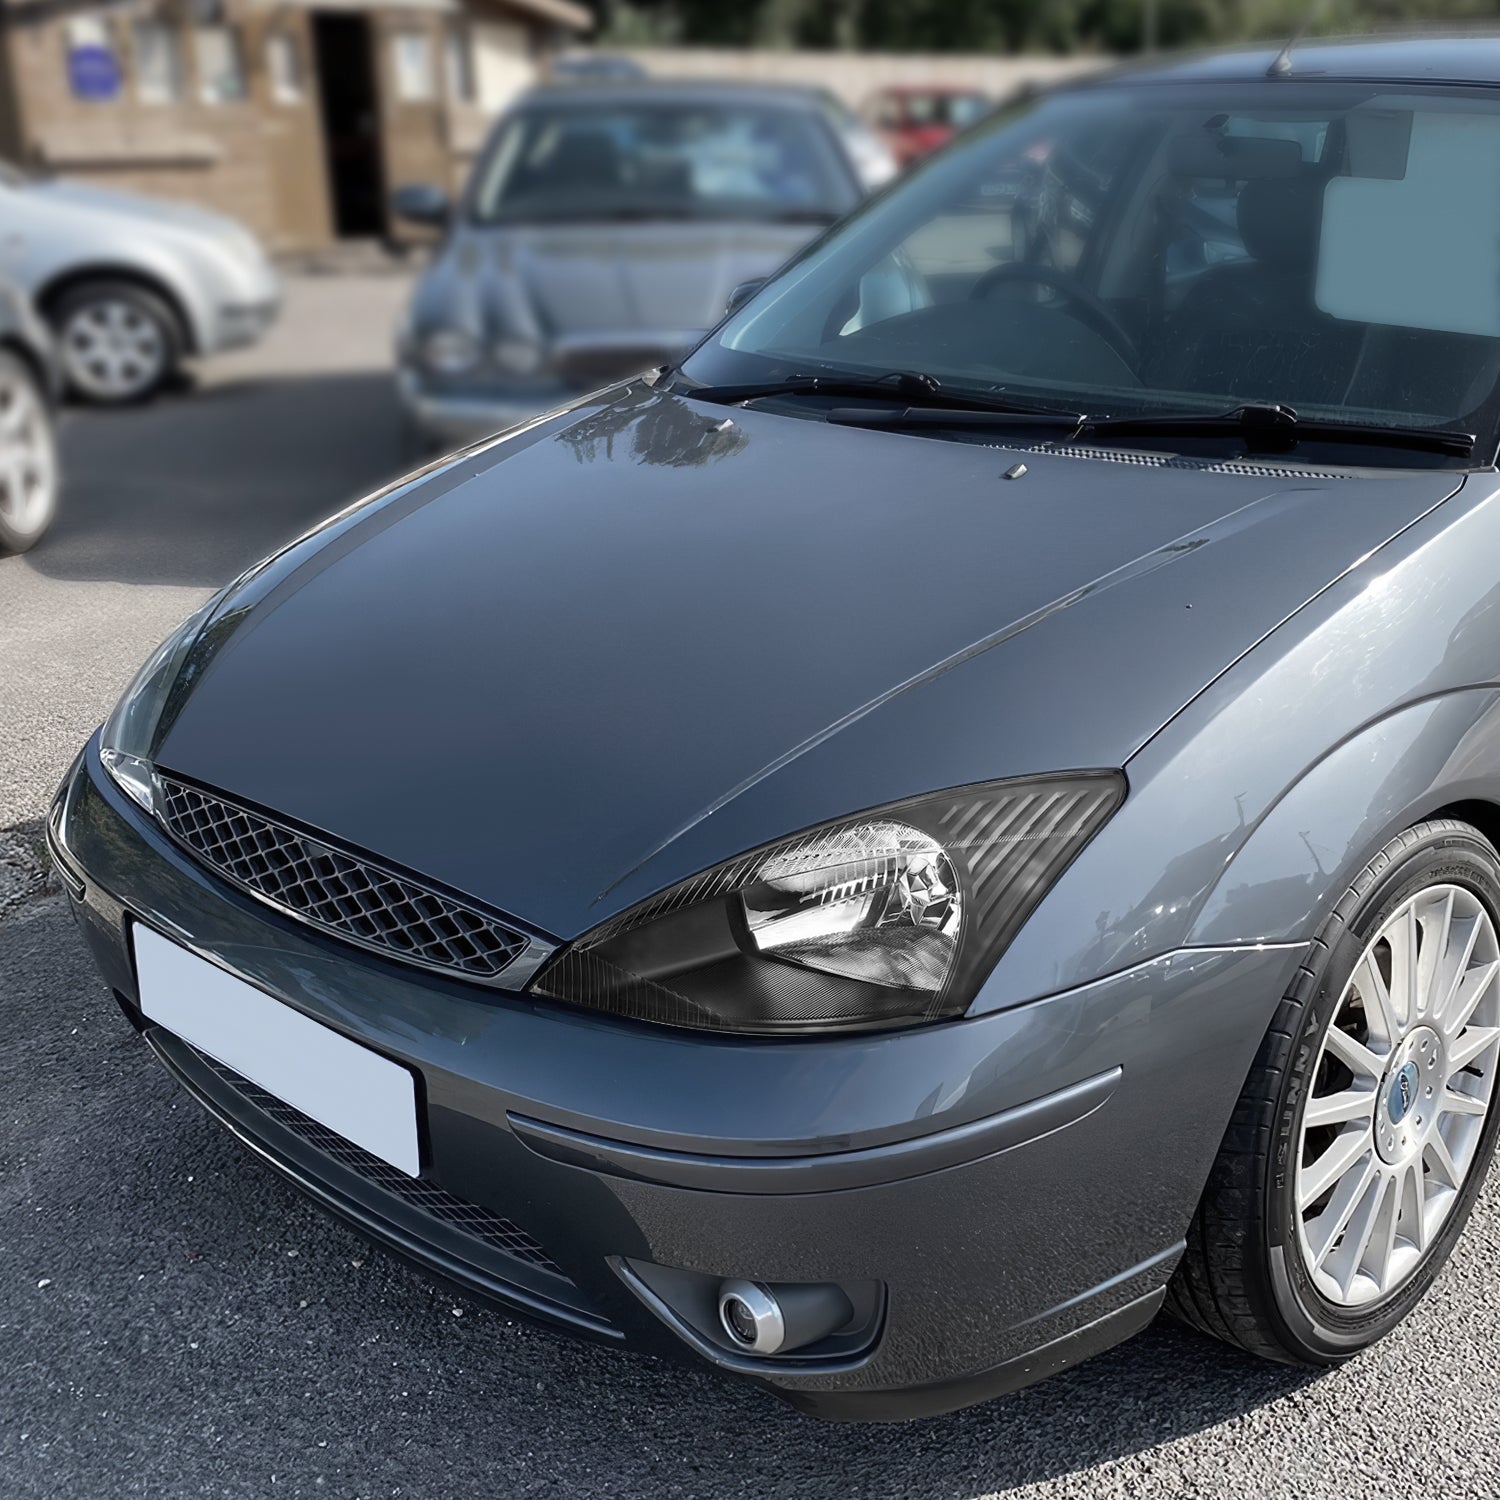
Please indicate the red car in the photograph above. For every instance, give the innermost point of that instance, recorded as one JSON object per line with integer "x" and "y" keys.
{"x": 915, "y": 121}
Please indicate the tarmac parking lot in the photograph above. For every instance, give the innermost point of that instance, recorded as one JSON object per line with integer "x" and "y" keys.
{"x": 176, "y": 1321}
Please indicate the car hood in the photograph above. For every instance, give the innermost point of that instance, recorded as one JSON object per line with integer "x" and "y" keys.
{"x": 140, "y": 211}
{"x": 564, "y": 672}
{"x": 560, "y": 282}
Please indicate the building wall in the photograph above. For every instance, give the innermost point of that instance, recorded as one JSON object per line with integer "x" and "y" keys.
{"x": 225, "y": 155}
{"x": 260, "y": 158}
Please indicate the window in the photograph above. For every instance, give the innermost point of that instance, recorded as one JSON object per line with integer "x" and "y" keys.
{"x": 221, "y": 64}
{"x": 93, "y": 58}
{"x": 678, "y": 161}
{"x": 158, "y": 62}
{"x": 1328, "y": 246}
{"x": 460, "y": 60}
{"x": 413, "y": 55}
{"x": 284, "y": 67}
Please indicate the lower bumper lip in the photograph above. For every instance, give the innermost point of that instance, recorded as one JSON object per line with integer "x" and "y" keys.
{"x": 1003, "y": 1177}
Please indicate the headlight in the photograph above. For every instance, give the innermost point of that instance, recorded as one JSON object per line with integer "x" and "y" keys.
{"x": 449, "y": 351}
{"x": 127, "y": 741}
{"x": 887, "y": 919}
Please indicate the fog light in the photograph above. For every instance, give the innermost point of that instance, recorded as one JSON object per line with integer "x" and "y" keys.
{"x": 761, "y": 1320}
{"x": 751, "y": 1316}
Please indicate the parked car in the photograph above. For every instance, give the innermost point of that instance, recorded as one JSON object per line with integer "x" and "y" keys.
{"x": 962, "y": 814}
{"x": 131, "y": 285}
{"x": 602, "y": 232}
{"x": 30, "y": 384}
{"x": 916, "y": 121}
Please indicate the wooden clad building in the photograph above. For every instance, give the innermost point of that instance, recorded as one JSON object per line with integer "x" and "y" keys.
{"x": 296, "y": 116}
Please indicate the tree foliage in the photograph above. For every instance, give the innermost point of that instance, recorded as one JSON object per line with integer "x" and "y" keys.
{"x": 1000, "y": 25}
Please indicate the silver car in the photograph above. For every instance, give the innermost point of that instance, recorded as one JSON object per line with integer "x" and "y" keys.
{"x": 603, "y": 231}
{"x": 131, "y": 285}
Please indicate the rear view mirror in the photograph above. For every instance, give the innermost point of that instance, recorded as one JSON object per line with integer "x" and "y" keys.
{"x": 743, "y": 293}
{"x": 422, "y": 203}
{"x": 1238, "y": 157}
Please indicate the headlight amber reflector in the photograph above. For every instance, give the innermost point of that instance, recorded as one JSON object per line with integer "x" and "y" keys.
{"x": 886, "y": 919}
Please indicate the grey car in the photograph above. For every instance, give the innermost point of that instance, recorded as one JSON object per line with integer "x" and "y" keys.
{"x": 603, "y": 231}
{"x": 131, "y": 285}
{"x": 961, "y": 815}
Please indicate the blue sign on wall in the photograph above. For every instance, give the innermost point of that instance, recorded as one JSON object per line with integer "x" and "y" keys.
{"x": 93, "y": 72}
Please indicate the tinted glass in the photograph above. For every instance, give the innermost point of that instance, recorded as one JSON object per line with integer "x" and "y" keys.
{"x": 660, "y": 160}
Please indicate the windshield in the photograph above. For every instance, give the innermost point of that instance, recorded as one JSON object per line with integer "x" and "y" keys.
{"x": 1168, "y": 248}
{"x": 660, "y": 160}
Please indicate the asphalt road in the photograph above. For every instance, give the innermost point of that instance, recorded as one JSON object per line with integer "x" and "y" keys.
{"x": 175, "y": 1321}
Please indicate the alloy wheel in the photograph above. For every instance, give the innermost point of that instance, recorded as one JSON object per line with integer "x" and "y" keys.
{"x": 113, "y": 350}
{"x": 28, "y": 456}
{"x": 1400, "y": 1093}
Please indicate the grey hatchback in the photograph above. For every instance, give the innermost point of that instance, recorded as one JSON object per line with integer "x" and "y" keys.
{"x": 961, "y": 814}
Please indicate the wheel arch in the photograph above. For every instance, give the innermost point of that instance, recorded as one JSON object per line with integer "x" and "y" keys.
{"x": 1438, "y": 757}
{"x": 51, "y": 293}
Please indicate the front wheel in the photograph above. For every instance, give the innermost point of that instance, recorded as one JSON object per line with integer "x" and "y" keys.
{"x": 1365, "y": 1129}
{"x": 28, "y": 458}
{"x": 119, "y": 342}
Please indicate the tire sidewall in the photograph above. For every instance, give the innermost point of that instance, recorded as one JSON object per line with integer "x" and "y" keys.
{"x": 1316, "y": 1329}
{"x": 12, "y": 540}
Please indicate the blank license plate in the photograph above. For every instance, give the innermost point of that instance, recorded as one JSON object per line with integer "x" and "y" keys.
{"x": 366, "y": 1098}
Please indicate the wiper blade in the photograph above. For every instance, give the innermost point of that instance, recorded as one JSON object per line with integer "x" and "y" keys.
{"x": 930, "y": 396}
{"x": 1278, "y": 429}
{"x": 1001, "y": 414}
{"x": 1265, "y": 429}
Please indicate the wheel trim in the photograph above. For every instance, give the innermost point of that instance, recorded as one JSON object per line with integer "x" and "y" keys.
{"x": 111, "y": 348}
{"x": 28, "y": 460}
{"x": 1401, "y": 1089}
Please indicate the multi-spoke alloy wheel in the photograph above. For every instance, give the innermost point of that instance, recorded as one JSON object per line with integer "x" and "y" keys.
{"x": 28, "y": 458}
{"x": 1365, "y": 1128}
{"x": 1399, "y": 1096}
{"x": 117, "y": 342}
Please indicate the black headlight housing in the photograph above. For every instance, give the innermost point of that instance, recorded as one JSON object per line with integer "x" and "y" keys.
{"x": 890, "y": 918}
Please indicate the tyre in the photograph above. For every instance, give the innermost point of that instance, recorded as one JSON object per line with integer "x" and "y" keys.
{"x": 1364, "y": 1131}
{"x": 28, "y": 457}
{"x": 118, "y": 342}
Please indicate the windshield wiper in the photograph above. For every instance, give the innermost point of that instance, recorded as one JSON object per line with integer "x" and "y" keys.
{"x": 1278, "y": 429}
{"x": 1265, "y": 428}
{"x": 920, "y": 395}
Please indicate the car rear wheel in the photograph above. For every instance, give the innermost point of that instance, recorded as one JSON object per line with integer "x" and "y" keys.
{"x": 28, "y": 458}
{"x": 118, "y": 342}
{"x": 1365, "y": 1129}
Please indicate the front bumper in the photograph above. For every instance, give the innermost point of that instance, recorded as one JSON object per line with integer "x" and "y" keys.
{"x": 1016, "y": 1185}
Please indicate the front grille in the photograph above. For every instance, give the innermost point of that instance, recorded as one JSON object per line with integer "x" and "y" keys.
{"x": 341, "y": 893}
{"x": 426, "y": 1197}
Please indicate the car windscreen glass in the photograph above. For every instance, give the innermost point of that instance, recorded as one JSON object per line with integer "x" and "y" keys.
{"x": 665, "y": 159}
{"x": 1154, "y": 248}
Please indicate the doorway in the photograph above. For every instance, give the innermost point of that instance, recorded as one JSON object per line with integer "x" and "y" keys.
{"x": 345, "y": 52}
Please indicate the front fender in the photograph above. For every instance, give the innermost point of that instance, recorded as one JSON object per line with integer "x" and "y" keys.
{"x": 1303, "y": 854}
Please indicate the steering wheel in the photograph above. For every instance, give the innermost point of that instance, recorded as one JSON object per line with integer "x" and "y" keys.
{"x": 1092, "y": 312}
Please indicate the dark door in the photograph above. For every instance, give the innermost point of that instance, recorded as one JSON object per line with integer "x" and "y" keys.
{"x": 351, "y": 122}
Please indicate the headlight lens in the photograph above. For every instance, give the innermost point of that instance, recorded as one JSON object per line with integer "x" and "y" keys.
{"x": 886, "y": 919}
{"x": 128, "y": 738}
{"x": 450, "y": 351}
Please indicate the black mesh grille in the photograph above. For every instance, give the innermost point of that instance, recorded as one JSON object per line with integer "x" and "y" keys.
{"x": 342, "y": 894}
{"x": 484, "y": 1224}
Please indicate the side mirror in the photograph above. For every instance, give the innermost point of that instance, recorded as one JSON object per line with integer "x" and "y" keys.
{"x": 743, "y": 293}
{"x": 422, "y": 203}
